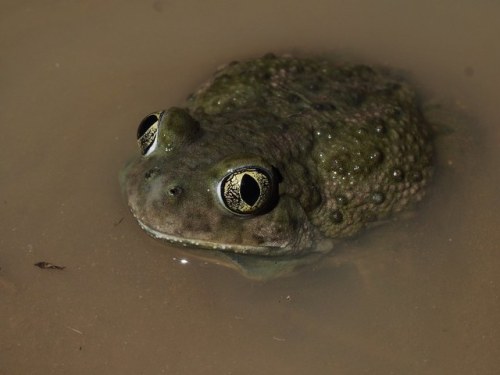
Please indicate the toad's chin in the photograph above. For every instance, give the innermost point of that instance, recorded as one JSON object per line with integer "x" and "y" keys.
{"x": 266, "y": 250}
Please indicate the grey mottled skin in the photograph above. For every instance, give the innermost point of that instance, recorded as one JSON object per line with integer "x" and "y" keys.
{"x": 347, "y": 142}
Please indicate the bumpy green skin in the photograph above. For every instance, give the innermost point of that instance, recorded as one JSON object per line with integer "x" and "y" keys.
{"x": 348, "y": 141}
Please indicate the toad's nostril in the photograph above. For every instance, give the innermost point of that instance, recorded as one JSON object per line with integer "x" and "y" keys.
{"x": 175, "y": 191}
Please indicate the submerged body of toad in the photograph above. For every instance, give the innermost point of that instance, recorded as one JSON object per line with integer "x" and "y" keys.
{"x": 275, "y": 156}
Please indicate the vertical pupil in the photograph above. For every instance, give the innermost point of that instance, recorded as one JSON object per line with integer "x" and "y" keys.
{"x": 249, "y": 190}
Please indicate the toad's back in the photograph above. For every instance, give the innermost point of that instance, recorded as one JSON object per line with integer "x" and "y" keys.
{"x": 348, "y": 140}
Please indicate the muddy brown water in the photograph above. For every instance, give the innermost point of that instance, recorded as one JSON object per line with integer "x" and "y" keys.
{"x": 415, "y": 296}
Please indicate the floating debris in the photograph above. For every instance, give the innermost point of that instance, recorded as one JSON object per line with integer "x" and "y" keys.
{"x": 49, "y": 266}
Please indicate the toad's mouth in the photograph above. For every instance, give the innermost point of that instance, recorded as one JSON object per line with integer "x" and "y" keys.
{"x": 264, "y": 250}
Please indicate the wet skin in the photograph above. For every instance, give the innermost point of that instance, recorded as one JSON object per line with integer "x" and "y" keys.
{"x": 278, "y": 157}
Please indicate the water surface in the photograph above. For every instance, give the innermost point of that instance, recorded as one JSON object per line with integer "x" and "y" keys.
{"x": 415, "y": 296}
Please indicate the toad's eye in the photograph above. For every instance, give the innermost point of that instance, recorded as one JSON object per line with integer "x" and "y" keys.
{"x": 147, "y": 133}
{"x": 248, "y": 191}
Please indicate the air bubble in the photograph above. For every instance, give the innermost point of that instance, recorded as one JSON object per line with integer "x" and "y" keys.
{"x": 397, "y": 174}
{"x": 376, "y": 157}
{"x": 380, "y": 129}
